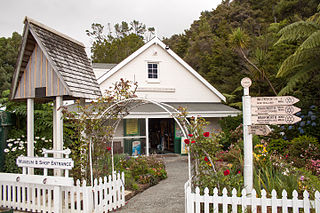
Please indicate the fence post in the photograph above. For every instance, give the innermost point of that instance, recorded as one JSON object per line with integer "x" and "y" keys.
{"x": 57, "y": 200}
{"x": 317, "y": 202}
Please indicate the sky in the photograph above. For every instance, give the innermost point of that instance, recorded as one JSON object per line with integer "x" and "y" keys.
{"x": 74, "y": 17}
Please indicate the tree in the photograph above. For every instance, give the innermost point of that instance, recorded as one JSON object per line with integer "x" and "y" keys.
{"x": 304, "y": 64}
{"x": 116, "y": 45}
{"x": 239, "y": 39}
{"x": 9, "y": 48}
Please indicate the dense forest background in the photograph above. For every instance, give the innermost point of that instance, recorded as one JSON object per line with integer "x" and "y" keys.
{"x": 239, "y": 38}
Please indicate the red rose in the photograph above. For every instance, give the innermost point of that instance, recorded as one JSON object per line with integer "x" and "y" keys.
{"x": 193, "y": 141}
{"x": 206, "y": 159}
{"x": 190, "y": 135}
{"x": 239, "y": 172}
{"x": 187, "y": 141}
{"x": 108, "y": 148}
{"x": 227, "y": 172}
{"x": 206, "y": 134}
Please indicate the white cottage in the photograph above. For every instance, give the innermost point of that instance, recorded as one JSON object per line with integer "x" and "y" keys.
{"x": 162, "y": 76}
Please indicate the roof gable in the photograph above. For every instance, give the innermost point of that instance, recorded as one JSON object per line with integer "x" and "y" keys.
{"x": 157, "y": 41}
{"x": 66, "y": 56}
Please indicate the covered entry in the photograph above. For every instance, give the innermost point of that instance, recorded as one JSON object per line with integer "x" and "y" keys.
{"x": 164, "y": 136}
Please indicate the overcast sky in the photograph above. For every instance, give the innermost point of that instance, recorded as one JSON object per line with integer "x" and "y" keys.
{"x": 73, "y": 17}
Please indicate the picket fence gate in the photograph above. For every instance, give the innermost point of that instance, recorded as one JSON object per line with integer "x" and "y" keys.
{"x": 196, "y": 203}
{"x": 105, "y": 195}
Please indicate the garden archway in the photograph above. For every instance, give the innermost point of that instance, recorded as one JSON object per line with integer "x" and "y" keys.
{"x": 122, "y": 108}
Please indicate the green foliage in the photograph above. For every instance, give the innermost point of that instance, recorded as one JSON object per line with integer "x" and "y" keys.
{"x": 277, "y": 145}
{"x": 42, "y": 117}
{"x": 303, "y": 64}
{"x": 112, "y": 48}
{"x": 302, "y": 149}
{"x": 8, "y": 56}
{"x": 93, "y": 129}
{"x": 18, "y": 146}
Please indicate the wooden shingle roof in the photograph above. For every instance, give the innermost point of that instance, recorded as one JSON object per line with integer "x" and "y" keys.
{"x": 66, "y": 56}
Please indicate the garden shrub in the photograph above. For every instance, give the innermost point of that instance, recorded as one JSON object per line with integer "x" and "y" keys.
{"x": 142, "y": 170}
{"x": 278, "y": 145}
{"x": 302, "y": 149}
{"x": 18, "y": 146}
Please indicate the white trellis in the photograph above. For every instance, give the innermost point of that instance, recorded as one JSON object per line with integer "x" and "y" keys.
{"x": 131, "y": 103}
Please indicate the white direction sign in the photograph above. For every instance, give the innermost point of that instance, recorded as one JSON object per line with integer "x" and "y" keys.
{"x": 275, "y": 119}
{"x": 272, "y": 110}
{"x": 272, "y": 101}
{"x": 259, "y": 130}
{"x": 46, "y": 163}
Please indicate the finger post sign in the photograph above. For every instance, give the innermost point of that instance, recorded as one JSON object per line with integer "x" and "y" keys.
{"x": 257, "y": 112}
{"x": 274, "y": 110}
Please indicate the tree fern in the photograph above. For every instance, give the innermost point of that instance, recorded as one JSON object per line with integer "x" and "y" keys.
{"x": 297, "y": 31}
{"x": 304, "y": 73}
{"x": 300, "y": 77}
{"x": 313, "y": 41}
{"x": 294, "y": 61}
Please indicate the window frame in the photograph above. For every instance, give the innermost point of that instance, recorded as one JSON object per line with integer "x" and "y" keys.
{"x": 153, "y": 80}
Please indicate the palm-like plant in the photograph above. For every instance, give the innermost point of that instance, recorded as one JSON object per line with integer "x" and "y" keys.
{"x": 239, "y": 39}
{"x": 304, "y": 63}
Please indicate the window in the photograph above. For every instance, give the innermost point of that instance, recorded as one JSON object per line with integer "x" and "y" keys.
{"x": 153, "y": 71}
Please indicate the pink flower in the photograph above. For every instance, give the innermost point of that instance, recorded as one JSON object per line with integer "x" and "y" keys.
{"x": 190, "y": 135}
{"x": 206, "y": 134}
{"x": 187, "y": 141}
{"x": 227, "y": 172}
{"x": 239, "y": 172}
{"x": 206, "y": 159}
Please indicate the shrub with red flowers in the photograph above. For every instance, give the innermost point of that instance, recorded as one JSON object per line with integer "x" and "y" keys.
{"x": 210, "y": 170}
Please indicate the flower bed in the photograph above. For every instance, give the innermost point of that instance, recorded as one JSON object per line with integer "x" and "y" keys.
{"x": 142, "y": 172}
{"x": 221, "y": 166}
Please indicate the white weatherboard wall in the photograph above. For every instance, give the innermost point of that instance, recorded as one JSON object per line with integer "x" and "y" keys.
{"x": 183, "y": 86}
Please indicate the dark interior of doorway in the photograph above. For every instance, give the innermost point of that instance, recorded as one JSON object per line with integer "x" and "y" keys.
{"x": 161, "y": 135}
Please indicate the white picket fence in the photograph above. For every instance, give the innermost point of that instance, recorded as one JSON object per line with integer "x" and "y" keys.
{"x": 105, "y": 195}
{"x": 195, "y": 202}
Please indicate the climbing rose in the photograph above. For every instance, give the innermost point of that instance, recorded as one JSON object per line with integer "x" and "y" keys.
{"x": 193, "y": 141}
{"x": 206, "y": 134}
{"x": 187, "y": 141}
{"x": 190, "y": 135}
{"x": 108, "y": 148}
{"x": 206, "y": 159}
{"x": 227, "y": 172}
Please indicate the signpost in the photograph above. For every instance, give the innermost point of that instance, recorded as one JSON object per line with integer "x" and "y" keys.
{"x": 259, "y": 130}
{"x": 275, "y": 119}
{"x": 274, "y": 110}
{"x": 272, "y": 101}
{"x": 262, "y": 110}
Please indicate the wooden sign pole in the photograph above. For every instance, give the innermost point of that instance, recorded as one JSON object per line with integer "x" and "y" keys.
{"x": 247, "y": 137}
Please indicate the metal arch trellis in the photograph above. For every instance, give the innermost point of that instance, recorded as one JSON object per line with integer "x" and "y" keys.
{"x": 131, "y": 103}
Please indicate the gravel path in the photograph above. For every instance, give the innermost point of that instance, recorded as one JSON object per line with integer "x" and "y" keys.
{"x": 165, "y": 197}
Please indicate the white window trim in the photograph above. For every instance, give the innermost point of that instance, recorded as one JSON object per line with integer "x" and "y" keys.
{"x": 153, "y": 80}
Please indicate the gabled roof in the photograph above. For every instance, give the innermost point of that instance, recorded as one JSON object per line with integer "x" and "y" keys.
{"x": 157, "y": 41}
{"x": 66, "y": 55}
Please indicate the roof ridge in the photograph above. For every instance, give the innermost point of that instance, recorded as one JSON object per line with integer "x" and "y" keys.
{"x": 30, "y": 20}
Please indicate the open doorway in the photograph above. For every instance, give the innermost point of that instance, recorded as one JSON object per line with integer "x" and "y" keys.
{"x": 161, "y": 135}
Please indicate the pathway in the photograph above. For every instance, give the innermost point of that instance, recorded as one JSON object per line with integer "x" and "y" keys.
{"x": 165, "y": 197}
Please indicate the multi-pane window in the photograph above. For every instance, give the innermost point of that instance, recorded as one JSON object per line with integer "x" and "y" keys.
{"x": 153, "y": 71}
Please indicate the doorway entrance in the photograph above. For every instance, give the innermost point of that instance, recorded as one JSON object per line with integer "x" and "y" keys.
{"x": 161, "y": 135}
